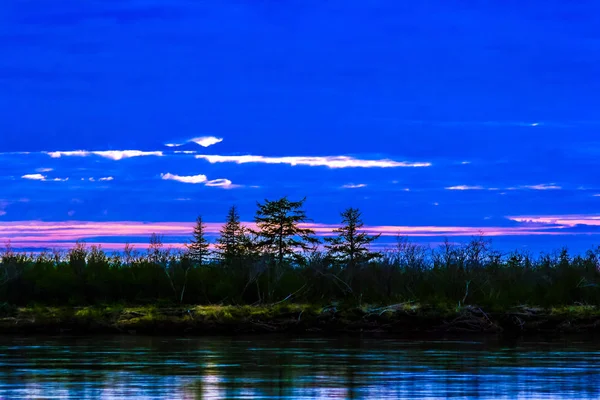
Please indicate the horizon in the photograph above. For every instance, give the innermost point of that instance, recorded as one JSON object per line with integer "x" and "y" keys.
{"x": 428, "y": 117}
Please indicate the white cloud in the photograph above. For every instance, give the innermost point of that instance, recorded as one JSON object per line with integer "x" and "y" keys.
{"x": 75, "y": 153}
{"x": 2, "y": 212}
{"x": 121, "y": 154}
{"x": 543, "y": 186}
{"x": 44, "y": 170}
{"x": 597, "y": 195}
{"x": 200, "y": 179}
{"x": 34, "y": 177}
{"x": 106, "y": 178}
{"x": 194, "y": 179}
{"x": 185, "y": 152}
{"x": 353, "y": 186}
{"x": 523, "y": 187}
{"x": 44, "y": 178}
{"x": 330, "y": 161}
{"x": 224, "y": 183}
{"x": 110, "y": 154}
{"x": 206, "y": 141}
{"x": 465, "y": 187}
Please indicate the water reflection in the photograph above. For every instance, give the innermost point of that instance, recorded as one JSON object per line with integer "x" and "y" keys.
{"x": 285, "y": 367}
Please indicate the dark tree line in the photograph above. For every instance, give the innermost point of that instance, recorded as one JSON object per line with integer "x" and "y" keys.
{"x": 279, "y": 258}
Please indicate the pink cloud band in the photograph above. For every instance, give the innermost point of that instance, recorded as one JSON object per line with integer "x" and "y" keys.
{"x": 112, "y": 235}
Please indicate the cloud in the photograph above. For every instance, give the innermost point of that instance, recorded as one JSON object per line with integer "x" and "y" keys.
{"x": 354, "y": 186}
{"x": 43, "y": 178}
{"x": 483, "y": 123}
{"x": 194, "y": 179}
{"x": 121, "y": 154}
{"x": 328, "y": 161}
{"x": 566, "y": 220}
{"x": 464, "y": 187}
{"x": 542, "y": 186}
{"x": 106, "y": 178}
{"x": 44, "y": 170}
{"x": 34, "y": 177}
{"x": 219, "y": 182}
{"x": 110, "y": 154}
{"x": 75, "y": 153}
{"x": 204, "y": 141}
{"x": 550, "y": 186}
{"x": 223, "y": 183}
{"x": 44, "y": 234}
{"x": 200, "y": 179}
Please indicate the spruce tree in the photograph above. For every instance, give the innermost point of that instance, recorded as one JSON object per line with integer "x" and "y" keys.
{"x": 197, "y": 249}
{"x": 278, "y": 232}
{"x": 233, "y": 243}
{"x": 350, "y": 246}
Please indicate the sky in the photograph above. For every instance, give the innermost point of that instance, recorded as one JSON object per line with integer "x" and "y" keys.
{"x": 119, "y": 118}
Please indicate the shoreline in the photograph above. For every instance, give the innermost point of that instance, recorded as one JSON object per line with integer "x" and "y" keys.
{"x": 401, "y": 319}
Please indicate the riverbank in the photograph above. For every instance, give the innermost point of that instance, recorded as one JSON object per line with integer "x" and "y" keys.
{"x": 406, "y": 318}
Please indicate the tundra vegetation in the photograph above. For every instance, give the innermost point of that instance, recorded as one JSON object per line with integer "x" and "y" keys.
{"x": 282, "y": 263}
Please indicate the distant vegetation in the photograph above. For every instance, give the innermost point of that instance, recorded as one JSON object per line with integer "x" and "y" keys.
{"x": 282, "y": 262}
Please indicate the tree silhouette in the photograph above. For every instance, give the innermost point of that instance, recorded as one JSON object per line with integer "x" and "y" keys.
{"x": 278, "y": 232}
{"x": 350, "y": 246}
{"x": 197, "y": 249}
{"x": 156, "y": 253}
{"x": 233, "y": 243}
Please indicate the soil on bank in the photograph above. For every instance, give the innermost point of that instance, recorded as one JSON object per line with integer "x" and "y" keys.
{"x": 405, "y": 318}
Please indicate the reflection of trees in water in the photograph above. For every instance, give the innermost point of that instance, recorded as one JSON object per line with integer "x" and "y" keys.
{"x": 283, "y": 366}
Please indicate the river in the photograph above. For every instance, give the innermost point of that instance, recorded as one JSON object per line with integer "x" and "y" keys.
{"x": 287, "y": 367}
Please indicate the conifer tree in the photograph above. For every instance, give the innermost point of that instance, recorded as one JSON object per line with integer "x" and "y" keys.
{"x": 350, "y": 246}
{"x": 233, "y": 243}
{"x": 197, "y": 249}
{"x": 278, "y": 232}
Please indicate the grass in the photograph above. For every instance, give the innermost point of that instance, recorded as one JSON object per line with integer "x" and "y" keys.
{"x": 298, "y": 318}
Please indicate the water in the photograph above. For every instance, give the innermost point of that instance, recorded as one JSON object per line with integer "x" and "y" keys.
{"x": 296, "y": 368}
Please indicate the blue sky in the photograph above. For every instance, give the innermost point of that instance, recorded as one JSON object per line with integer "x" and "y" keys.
{"x": 479, "y": 115}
